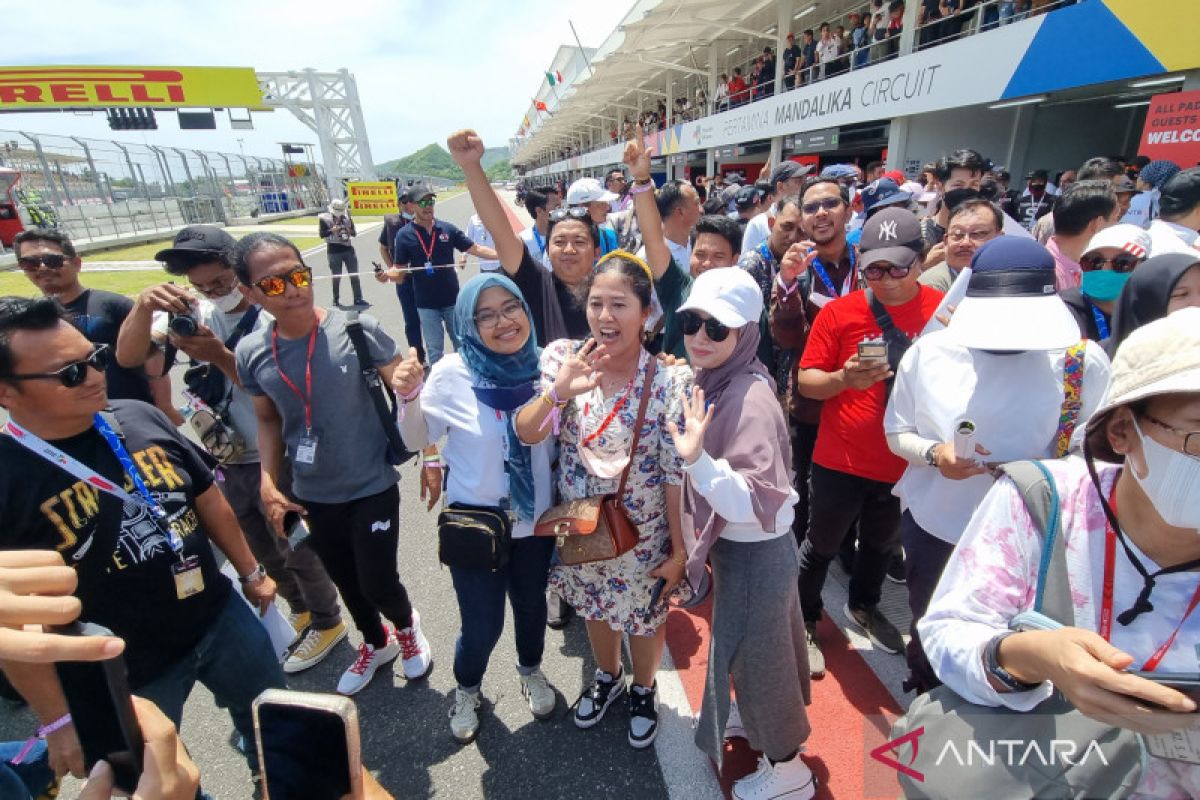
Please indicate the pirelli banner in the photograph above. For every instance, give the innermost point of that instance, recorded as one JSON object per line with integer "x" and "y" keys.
{"x": 46, "y": 88}
{"x": 372, "y": 198}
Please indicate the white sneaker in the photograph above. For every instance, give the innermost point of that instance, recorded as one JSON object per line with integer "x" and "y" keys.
{"x": 733, "y": 724}
{"x": 414, "y": 650}
{"x": 787, "y": 780}
{"x": 464, "y": 716}
{"x": 359, "y": 674}
{"x": 539, "y": 693}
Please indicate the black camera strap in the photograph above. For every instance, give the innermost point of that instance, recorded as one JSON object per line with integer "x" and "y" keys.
{"x": 382, "y": 396}
{"x": 897, "y": 340}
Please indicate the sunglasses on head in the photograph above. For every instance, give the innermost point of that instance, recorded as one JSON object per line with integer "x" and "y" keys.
{"x": 875, "y": 272}
{"x": 275, "y": 285}
{"x": 828, "y": 203}
{"x": 691, "y": 322}
{"x": 50, "y": 260}
{"x": 426, "y": 202}
{"x": 73, "y": 374}
{"x": 1120, "y": 263}
{"x": 574, "y": 212}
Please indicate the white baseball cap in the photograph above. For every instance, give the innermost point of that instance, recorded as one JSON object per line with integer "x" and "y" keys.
{"x": 588, "y": 190}
{"x": 727, "y": 294}
{"x": 337, "y": 206}
{"x": 1133, "y": 239}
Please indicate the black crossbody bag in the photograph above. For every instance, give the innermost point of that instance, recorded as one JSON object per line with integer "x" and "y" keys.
{"x": 897, "y": 340}
{"x": 474, "y": 537}
{"x": 382, "y": 396}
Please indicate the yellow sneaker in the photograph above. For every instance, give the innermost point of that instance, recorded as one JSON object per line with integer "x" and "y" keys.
{"x": 300, "y": 622}
{"x": 315, "y": 645}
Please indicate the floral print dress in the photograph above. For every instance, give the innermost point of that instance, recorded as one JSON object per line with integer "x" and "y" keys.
{"x": 618, "y": 591}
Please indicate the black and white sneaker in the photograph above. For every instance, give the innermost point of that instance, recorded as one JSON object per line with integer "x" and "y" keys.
{"x": 896, "y": 572}
{"x": 643, "y": 715}
{"x": 595, "y": 700}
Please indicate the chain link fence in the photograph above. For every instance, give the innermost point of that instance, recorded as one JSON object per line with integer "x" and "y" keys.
{"x": 97, "y": 189}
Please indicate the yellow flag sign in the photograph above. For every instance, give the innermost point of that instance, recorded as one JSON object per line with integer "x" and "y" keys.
{"x": 38, "y": 88}
{"x": 372, "y": 198}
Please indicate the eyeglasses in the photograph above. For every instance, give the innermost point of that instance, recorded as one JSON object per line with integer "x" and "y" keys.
{"x": 978, "y": 237}
{"x": 691, "y": 322}
{"x": 512, "y": 311}
{"x": 1120, "y": 263}
{"x": 426, "y": 202}
{"x": 828, "y": 203}
{"x": 620, "y": 178}
{"x": 874, "y": 272}
{"x": 275, "y": 285}
{"x": 1191, "y": 439}
{"x": 73, "y": 374}
{"x": 217, "y": 289}
{"x": 50, "y": 260}
{"x": 574, "y": 212}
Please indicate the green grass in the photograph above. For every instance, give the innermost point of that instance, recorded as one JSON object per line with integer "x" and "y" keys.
{"x": 127, "y": 283}
{"x": 306, "y": 220}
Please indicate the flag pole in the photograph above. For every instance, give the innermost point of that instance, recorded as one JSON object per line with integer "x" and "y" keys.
{"x": 582, "y": 52}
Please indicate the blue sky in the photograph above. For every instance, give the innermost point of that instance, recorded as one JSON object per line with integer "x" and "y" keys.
{"x": 424, "y": 68}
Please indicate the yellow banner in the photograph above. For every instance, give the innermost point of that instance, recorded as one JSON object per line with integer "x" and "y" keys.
{"x": 35, "y": 88}
{"x": 372, "y": 198}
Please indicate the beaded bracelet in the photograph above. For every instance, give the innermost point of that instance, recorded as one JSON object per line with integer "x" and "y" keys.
{"x": 405, "y": 399}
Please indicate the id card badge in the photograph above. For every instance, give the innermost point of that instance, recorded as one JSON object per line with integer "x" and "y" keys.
{"x": 1181, "y": 745}
{"x": 306, "y": 450}
{"x": 188, "y": 578}
{"x": 429, "y": 267}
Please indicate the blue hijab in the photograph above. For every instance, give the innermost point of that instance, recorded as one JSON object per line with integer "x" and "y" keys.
{"x": 502, "y": 382}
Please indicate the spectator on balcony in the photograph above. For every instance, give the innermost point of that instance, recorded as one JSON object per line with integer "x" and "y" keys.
{"x": 929, "y": 28}
{"x": 767, "y": 75}
{"x": 860, "y": 38}
{"x": 809, "y": 50}
{"x": 792, "y": 54}
{"x": 701, "y": 107}
{"x": 721, "y": 99}
{"x": 739, "y": 94}
{"x": 895, "y": 27}
{"x": 828, "y": 50}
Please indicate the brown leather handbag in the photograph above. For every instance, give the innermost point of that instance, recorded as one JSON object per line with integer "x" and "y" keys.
{"x": 597, "y": 528}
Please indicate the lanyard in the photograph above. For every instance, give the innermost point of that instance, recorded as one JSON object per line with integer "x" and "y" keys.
{"x": 1098, "y": 315}
{"x": 824, "y": 276}
{"x": 79, "y": 470}
{"x": 768, "y": 258}
{"x": 1106, "y": 606}
{"x": 428, "y": 251}
{"x": 306, "y": 395}
{"x": 541, "y": 242}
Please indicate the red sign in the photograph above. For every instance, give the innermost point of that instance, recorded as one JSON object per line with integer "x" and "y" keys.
{"x": 1172, "y": 128}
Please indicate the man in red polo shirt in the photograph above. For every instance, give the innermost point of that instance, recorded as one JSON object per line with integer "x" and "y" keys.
{"x": 853, "y": 470}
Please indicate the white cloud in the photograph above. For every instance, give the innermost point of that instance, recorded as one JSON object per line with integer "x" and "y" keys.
{"x": 423, "y": 69}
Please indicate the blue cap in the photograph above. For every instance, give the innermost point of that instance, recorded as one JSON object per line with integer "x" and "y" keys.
{"x": 838, "y": 171}
{"x": 882, "y": 192}
{"x": 1011, "y": 266}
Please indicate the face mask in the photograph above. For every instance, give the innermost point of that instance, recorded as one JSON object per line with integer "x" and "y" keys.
{"x": 1104, "y": 285}
{"x": 602, "y": 465}
{"x": 955, "y": 197}
{"x": 227, "y": 303}
{"x": 1172, "y": 482}
{"x": 406, "y": 215}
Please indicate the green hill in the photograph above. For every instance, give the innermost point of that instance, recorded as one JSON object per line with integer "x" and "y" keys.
{"x": 500, "y": 171}
{"x": 433, "y": 160}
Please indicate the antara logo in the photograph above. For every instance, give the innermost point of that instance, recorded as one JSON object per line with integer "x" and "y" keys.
{"x": 82, "y": 85}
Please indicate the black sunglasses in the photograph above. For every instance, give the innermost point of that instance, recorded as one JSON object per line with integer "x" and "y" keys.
{"x": 33, "y": 263}
{"x": 874, "y": 272}
{"x": 73, "y": 374}
{"x": 691, "y": 322}
{"x": 1121, "y": 263}
{"x": 827, "y": 203}
{"x": 574, "y": 212}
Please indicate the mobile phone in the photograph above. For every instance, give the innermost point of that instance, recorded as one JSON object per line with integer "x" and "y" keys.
{"x": 102, "y": 712}
{"x": 655, "y": 594}
{"x": 378, "y": 267}
{"x": 873, "y": 352}
{"x": 1185, "y": 683}
{"x": 296, "y": 529}
{"x": 308, "y": 746}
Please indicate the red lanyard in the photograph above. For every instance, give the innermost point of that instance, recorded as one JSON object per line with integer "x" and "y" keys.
{"x": 611, "y": 415}
{"x": 1106, "y": 606}
{"x": 432, "y": 241}
{"x": 306, "y": 396}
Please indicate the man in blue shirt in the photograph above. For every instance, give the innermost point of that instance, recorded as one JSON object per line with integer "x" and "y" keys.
{"x": 424, "y": 254}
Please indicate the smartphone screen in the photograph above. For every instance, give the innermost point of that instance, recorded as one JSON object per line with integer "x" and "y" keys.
{"x": 305, "y": 753}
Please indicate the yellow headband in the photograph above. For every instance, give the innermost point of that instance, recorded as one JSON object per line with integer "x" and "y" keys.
{"x": 628, "y": 256}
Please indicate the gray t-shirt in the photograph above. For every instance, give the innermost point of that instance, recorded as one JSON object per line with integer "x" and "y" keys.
{"x": 351, "y": 454}
{"x": 241, "y": 406}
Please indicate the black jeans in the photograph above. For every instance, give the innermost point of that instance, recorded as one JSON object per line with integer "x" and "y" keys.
{"x": 347, "y": 259}
{"x": 838, "y": 499}
{"x": 925, "y": 558}
{"x": 412, "y": 320}
{"x": 804, "y": 439}
{"x": 357, "y": 542}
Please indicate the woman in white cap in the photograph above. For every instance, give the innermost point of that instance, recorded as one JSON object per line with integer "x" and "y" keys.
{"x": 737, "y": 515}
{"x": 1130, "y": 519}
{"x": 1107, "y": 263}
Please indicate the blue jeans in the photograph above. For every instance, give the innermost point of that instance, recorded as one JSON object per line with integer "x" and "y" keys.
{"x": 31, "y": 778}
{"x": 433, "y": 320}
{"x": 234, "y": 660}
{"x": 412, "y": 320}
{"x": 481, "y": 607}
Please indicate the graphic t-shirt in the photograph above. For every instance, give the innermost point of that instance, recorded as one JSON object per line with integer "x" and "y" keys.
{"x": 851, "y": 437}
{"x": 416, "y": 247}
{"x": 98, "y": 316}
{"x": 122, "y": 557}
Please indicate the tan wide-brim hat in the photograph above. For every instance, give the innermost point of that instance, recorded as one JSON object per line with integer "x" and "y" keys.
{"x": 1161, "y": 357}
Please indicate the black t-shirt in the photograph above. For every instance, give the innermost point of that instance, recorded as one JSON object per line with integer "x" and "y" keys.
{"x": 392, "y": 223}
{"x": 98, "y": 316}
{"x": 790, "y": 56}
{"x": 541, "y": 289}
{"x": 122, "y": 558}
{"x": 438, "y": 289}
{"x": 1081, "y": 309}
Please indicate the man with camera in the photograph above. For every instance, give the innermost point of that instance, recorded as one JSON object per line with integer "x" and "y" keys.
{"x": 207, "y": 328}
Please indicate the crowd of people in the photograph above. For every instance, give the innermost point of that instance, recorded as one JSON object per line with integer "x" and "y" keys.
{"x": 742, "y": 383}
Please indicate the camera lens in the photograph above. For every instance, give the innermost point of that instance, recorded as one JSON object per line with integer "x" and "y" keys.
{"x": 183, "y": 325}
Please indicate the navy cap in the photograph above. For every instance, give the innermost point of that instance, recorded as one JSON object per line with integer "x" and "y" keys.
{"x": 839, "y": 171}
{"x": 788, "y": 170}
{"x": 882, "y": 192}
{"x": 198, "y": 239}
{"x": 747, "y": 196}
{"x": 1011, "y": 266}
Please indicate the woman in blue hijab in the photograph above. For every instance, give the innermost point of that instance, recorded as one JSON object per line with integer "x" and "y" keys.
{"x": 468, "y": 403}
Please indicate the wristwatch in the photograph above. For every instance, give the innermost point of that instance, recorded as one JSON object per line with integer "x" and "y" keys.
{"x": 931, "y": 455}
{"x": 991, "y": 663}
{"x": 257, "y": 575}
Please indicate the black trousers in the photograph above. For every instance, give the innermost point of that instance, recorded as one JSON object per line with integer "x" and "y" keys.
{"x": 357, "y": 542}
{"x": 804, "y": 439}
{"x": 925, "y": 558}
{"x": 838, "y": 499}
{"x": 348, "y": 260}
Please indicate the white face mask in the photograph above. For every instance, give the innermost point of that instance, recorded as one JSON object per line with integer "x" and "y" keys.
{"x": 1172, "y": 482}
{"x": 227, "y": 303}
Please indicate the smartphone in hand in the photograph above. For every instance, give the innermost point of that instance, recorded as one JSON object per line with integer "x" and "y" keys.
{"x": 308, "y": 746}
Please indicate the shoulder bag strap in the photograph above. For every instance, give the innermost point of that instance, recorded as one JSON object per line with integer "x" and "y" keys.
{"x": 243, "y": 327}
{"x": 1037, "y": 489}
{"x": 379, "y": 392}
{"x": 641, "y": 418}
{"x": 1072, "y": 404}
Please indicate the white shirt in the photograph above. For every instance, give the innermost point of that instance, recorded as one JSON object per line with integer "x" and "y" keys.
{"x": 757, "y": 231}
{"x": 478, "y": 234}
{"x": 1014, "y": 400}
{"x": 682, "y": 253}
{"x": 1142, "y": 209}
{"x": 475, "y": 444}
{"x": 1167, "y": 237}
{"x": 530, "y": 237}
{"x": 728, "y": 495}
